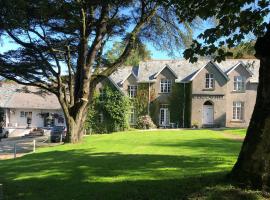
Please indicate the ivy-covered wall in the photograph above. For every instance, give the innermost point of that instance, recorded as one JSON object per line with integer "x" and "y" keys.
{"x": 140, "y": 102}
{"x": 109, "y": 111}
{"x": 180, "y": 104}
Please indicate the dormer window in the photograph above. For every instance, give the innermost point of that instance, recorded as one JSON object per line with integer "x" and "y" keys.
{"x": 165, "y": 85}
{"x": 209, "y": 81}
{"x": 132, "y": 91}
{"x": 239, "y": 83}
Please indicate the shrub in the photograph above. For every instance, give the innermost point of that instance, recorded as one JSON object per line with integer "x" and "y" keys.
{"x": 145, "y": 122}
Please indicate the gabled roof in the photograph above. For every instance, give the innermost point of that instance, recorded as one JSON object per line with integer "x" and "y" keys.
{"x": 122, "y": 74}
{"x": 165, "y": 66}
{"x": 240, "y": 63}
{"x": 215, "y": 65}
{"x": 13, "y": 95}
{"x": 117, "y": 86}
{"x": 130, "y": 74}
{"x": 185, "y": 70}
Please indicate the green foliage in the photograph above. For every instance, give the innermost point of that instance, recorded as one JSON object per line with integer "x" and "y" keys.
{"x": 139, "y": 53}
{"x": 145, "y": 122}
{"x": 108, "y": 112}
{"x": 235, "y": 20}
{"x": 244, "y": 50}
{"x": 180, "y": 104}
{"x": 140, "y": 102}
{"x": 154, "y": 111}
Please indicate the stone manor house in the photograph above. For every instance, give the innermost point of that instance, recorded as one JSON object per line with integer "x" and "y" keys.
{"x": 213, "y": 94}
{"x": 209, "y": 94}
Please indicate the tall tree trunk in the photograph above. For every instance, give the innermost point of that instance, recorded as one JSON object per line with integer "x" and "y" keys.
{"x": 253, "y": 165}
{"x": 75, "y": 128}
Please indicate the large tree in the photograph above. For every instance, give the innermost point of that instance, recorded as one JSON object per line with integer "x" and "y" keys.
{"x": 139, "y": 53}
{"x": 56, "y": 39}
{"x": 235, "y": 20}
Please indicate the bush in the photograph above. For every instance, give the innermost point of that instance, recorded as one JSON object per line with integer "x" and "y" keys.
{"x": 145, "y": 122}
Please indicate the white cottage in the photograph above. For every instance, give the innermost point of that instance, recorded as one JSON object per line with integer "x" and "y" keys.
{"x": 27, "y": 106}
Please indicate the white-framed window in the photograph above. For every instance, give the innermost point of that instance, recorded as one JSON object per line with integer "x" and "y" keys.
{"x": 132, "y": 91}
{"x": 164, "y": 115}
{"x": 165, "y": 85}
{"x": 100, "y": 118}
{"x": 132, "y": 116}
{"x": 25, "y": 114}
{"x": 22, "y": 114}
{"x": 209, "y": 81}
{"x": 28, "y": 114}
{"x": 238, "y": 110}
{"x": 239, "y": 83}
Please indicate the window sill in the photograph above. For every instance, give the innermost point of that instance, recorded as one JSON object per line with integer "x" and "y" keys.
{"x": 164, "y": 92}
{"x": 237, "y": 121}
{"x": 208, "y": 89}
{"x": 238, "y": 91}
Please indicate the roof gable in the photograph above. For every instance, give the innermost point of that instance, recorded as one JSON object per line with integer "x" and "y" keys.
{"x": 214, "y": 65}
{"x": 130, "y": 74}
{"x": 240, "y": 64}
{"x": 163, "y": 68}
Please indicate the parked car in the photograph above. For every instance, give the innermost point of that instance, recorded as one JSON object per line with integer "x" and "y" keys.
{"x": 3, "y": 132}
{"x": 57, "y": 132}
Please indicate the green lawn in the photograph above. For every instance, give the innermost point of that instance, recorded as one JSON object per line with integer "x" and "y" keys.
{"x": 189, "y": 164}
{"x": 240, "y": 132}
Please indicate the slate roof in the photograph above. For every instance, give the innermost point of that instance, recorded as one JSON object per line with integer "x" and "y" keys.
{"x": 123, "y": 73}
{"x": 13, "y": 95}
{"x": 185, "y": 70}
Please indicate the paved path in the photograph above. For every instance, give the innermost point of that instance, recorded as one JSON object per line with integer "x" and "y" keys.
{"x": 23, "y": 145}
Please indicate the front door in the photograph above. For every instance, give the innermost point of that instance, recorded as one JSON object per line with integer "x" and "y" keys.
{"x": 208, "y": 114}
{"x": 164, "y": 117}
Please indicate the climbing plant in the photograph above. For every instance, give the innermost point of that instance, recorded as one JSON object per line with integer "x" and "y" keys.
{"x": 140, "y": 102}
{"x": 109, "y": 111}
{"x": 180, "y": 104}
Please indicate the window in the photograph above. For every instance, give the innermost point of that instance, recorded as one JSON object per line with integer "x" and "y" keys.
{"x": 238, "y": 110}
{"x": 164, "y": 115}
{"x": 100, "y": 118}
{"x": 28, "y": 114}
{"x": 209, "y": 81}
{"x": 239, "y": 83}
{"x": 132, "y": 91}
{"x": 102, "y": 94}
{"x": 22, "y": 114}
{"x": 132, "y": 116}
{"x": 165, "y": 85}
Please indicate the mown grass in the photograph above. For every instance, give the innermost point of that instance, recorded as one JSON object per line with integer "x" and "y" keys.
{"x": 187, "y": 164}
{"x": 240, "y": 132}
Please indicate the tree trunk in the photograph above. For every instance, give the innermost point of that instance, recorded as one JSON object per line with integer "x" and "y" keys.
{"x": 253, "y": 165}
{"x": 75, "y": 129}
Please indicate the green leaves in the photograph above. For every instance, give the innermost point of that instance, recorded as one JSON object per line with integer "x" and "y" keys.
{"x": 235, "y": 21}
{"x": 114, "y": 108}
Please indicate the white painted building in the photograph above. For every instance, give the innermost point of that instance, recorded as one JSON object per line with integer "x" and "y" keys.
{"x": 22, "y": 106}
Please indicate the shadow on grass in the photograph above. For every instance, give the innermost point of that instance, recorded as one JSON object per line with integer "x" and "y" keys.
{"x": 85, "y": 174}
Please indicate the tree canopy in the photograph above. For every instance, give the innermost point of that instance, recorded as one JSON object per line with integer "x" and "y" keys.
{"x": 139, "y": 53}
{"x": 57, "y": 36}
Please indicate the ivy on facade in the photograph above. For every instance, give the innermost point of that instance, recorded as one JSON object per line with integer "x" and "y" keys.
{"x": 109, "y": 111}
{"x": 180, "y": 104}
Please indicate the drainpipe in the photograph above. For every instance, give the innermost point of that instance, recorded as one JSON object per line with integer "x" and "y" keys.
{"x": 184, "y": 103}
{"x": 148, "y": 106}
